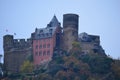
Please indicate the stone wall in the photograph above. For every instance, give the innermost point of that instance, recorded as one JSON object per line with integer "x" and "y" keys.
{"x": 15, "y": 52}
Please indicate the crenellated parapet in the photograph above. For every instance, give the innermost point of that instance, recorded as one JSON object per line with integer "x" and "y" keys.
{"x": 16, "y": 52}
{"x": 11, "y": 43}
{"x": 22, "y": 43}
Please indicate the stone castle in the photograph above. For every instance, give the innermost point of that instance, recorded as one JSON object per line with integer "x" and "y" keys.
{"x": 44, "y": 41}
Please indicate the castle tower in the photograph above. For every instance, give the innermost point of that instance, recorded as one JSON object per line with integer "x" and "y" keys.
{"x": 70, "y": 30}
{"x": 7, "y": 42}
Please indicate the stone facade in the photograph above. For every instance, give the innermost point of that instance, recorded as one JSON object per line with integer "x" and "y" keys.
{"x": 90, "y": 44}
{"x": 15, "y": 52}
{"x": 70, "y": 30}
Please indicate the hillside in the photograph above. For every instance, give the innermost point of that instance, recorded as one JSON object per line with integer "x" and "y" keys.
{"x": 73, "y": 66}
{"x": 78, "y": 66}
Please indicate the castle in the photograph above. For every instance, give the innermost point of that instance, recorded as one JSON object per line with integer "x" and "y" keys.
{"x": 44, "y": 41}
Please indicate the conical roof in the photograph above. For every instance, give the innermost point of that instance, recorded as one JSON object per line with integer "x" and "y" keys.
{"x": 54, "y": 22}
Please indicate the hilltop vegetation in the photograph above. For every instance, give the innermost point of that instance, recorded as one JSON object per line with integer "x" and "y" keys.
{"x": 78, "y": 66}
{"x": 75, "y": 66}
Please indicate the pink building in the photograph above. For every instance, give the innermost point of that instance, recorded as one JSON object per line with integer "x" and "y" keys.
{"x": 45, "y": 40}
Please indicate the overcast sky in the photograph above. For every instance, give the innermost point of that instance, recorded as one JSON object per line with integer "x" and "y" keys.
{"x": 96, "y": 17}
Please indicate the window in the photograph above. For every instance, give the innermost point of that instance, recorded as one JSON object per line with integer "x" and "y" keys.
{"x": 39, "y": 35}
{"x": 44, "y": 46}
{"x": 40, "y": 46}
{"x": 36, "y": 46}
{"x": 36, "y": 53}
{"x": 40, "y": 53}
{"x": 48, "y": 52}
{"x": 48, "y": 45}
{"x": 44, "y": 53}
{"x": 41, "y": 31}
{"x": 50, "y": 30}
{"x": 46, "y": 34}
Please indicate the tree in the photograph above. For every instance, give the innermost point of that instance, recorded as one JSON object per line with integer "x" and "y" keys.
{"x": 27, "y": 67}
{"x": 44, "y": 77}
{"x": 76, "y": 49}
{"x": 116, "y": 69}
{"x": 98, "y": 64}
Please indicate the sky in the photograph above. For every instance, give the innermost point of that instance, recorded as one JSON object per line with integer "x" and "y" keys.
{"x": 96, "y": 17}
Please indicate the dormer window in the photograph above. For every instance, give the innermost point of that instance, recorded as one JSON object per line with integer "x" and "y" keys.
{"x": 42, "y": 35}
{"x": 50, "y": 30}
{"x": 41, "y": 31}
{"x": 46, "y": 34}
{"x": 39, "y": 35}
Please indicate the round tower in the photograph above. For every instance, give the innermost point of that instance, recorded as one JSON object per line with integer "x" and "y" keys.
{"x": 70, "y": 30}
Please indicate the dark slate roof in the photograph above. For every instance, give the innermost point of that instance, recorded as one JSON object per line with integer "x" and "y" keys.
{"x": 84, "y": 37}
{"x": 54, "y": 22}
{"x": 48, "y": 31}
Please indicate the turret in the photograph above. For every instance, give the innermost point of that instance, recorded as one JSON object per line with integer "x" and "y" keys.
{"x": 7, "y": 42}
{"x": 70, "y": 30}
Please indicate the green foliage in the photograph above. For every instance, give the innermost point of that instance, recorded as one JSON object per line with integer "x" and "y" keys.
{"x": 98, "y": 64}
{"x": 61, "y": 75}
{"x": 44, "y": 77}
{"x": 27, "y": 67}
{"x": 76, "y": 66}
{"x": 30, "y": 57}
{"x": 116, "y": 69}
{"x": 76, "y": 44}
{"x": 59, "y": 60}
{"x": 76, "y": 49}
{"x": 54, "y": 68}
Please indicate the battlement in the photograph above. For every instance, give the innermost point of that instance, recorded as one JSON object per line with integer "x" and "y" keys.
{"x": 22, "y": 43}
{"x": 11, "y": 43}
